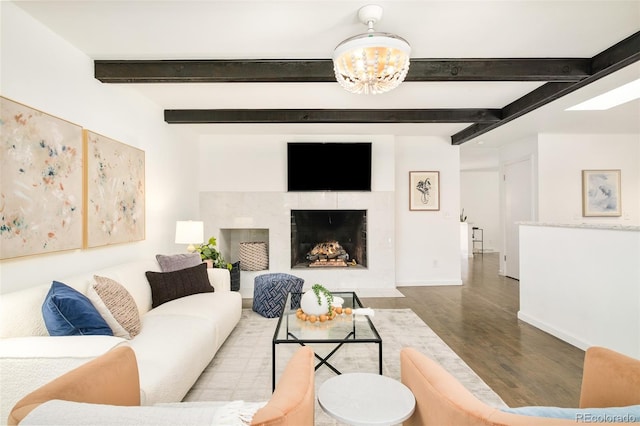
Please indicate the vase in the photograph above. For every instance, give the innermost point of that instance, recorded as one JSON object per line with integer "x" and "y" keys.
{"x": 310, "y": 306}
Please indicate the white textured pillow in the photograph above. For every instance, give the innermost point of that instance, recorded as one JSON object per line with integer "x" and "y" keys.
{"x": 120, "y": 303}
{"x": 117, "y": 329}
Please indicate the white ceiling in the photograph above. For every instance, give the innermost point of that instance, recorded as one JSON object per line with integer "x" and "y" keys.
{"x": 310, "y": 29}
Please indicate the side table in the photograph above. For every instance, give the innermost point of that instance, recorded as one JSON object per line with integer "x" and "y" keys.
{"x": 366, "y": 399}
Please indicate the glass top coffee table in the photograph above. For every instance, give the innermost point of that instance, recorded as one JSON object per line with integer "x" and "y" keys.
{"x": 344, "y": 329}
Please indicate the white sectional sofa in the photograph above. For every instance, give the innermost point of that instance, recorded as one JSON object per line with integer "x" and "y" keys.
{"x": 177, "y": 339}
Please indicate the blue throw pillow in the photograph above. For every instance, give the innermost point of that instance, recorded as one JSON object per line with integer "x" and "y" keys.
{"x": 628, "y": 414}
{"x": 67, "y": 312}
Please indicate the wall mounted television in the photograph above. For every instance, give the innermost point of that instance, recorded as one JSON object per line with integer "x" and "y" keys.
{"x": 329, "y": 166}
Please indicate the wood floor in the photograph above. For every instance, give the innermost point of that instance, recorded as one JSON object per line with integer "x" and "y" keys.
{"x": 478, "y": 320}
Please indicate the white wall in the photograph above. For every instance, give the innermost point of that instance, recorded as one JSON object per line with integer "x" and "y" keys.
{"x": 480, "y": 198}
{"x": 428, "y": 242}
{"x": 581, "y": 285}
{"x": 256, "y": 163}
{"x": 562, "y": 157}
{"x": 578, "y": 283}
{"x": 43, "y": 71}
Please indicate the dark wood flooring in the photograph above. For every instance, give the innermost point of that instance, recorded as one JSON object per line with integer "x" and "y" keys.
{"x": 478, "y": 320}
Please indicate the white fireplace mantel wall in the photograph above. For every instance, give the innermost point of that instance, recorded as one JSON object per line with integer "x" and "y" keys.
{"x": 242, "y": 182}
{"x": 272, "y": 211}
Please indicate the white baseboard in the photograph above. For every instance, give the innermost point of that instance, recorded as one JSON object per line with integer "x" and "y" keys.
{"x": 560, "y": 334}
{"x": 428, "y": 283}
{"x": 361, "y": 292}
{"x": 377, "y": 292}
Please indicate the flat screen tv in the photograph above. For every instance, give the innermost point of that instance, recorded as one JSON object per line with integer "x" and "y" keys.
{"x": 329, "y": 166}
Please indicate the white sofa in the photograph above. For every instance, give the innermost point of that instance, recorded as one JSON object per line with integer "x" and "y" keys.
{"x": 177, "y": 340}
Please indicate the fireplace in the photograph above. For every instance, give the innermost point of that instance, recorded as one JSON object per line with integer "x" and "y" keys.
{"x": 328, "y": 238}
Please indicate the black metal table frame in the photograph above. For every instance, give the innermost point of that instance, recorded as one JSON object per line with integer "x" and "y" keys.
{"x": 323, "y": 360}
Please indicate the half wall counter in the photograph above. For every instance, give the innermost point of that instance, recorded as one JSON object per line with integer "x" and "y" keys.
{"x": 581, "y": 283}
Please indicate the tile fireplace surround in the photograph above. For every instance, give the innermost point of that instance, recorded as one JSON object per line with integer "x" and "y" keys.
{"x": 224, "y": 212}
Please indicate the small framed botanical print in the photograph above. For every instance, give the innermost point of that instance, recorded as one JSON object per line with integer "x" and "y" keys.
{"x": 424, "y": 191}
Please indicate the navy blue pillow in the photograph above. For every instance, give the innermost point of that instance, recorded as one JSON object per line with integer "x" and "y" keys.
{"x": 67, "y": 312}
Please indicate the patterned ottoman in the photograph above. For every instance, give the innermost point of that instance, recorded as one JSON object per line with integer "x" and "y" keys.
{"x": 270, "y": 292}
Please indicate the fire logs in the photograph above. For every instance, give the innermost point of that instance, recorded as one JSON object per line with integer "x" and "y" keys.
{"x": 328, "y": 253}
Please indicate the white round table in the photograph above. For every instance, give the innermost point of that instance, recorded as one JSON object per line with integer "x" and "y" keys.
{"x": 366, "y": 399}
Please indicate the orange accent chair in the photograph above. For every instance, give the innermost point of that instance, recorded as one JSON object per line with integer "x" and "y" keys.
{"x": 610, "y": 379}
{"x": 112, "y": 379}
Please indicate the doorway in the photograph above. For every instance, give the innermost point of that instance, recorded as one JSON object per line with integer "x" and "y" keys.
{"x": 518, "y": 208}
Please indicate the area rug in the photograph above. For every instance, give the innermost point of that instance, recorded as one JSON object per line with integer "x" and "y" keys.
{"x": 241, "y": 370}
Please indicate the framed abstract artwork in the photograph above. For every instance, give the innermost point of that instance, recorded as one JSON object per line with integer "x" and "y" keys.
{"x": 41, "y": 161}
{"x": 115, "y": 192}
{"x": 424, "y": 191}
{"x": 601, "y": 193}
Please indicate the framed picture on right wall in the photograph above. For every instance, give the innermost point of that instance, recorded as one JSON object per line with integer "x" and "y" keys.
{"x": 601, "y": 193}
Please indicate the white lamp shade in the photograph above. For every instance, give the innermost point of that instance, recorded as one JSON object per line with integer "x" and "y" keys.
{"x": 189, "y": 232}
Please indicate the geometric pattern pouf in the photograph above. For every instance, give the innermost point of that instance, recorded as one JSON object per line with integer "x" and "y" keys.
{"x": 270, "y": 292}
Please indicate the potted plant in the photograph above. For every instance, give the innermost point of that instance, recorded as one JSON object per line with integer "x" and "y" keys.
{"x": 210, "y": 254}
{"x": 463, "y": 217}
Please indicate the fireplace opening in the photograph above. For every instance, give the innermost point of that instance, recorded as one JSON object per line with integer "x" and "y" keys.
{"x": 328, "y": 238}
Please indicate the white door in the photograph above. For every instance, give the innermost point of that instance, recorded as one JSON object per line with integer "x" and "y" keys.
{"x": 518, "y": 192}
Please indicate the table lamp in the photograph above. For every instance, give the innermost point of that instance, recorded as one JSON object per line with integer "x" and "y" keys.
{"x": 189, "y": 232}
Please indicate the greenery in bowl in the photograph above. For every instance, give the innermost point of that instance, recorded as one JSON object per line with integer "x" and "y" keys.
{"x": 317, "y": 289}
{"x": 208, "y": 251}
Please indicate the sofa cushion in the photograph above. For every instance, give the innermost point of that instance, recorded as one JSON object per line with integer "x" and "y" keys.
{"x": 582, "y": 415}
{"x": 20, "y": 312}
{"x": 175, "y": 262}
{"x": 67, "y": 312}
{"x": 172, "y": 351}
{"x": 167, "y": 286}
{"x": 120, "y": 304}
{"x": 230, "y": 413}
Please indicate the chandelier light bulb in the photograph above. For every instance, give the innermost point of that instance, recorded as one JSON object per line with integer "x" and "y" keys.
{"x": 373, "y": 62}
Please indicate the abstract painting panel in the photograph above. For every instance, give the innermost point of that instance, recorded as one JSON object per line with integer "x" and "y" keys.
{"x": 424, "y": 190}
{"x": 601, "y": 193}
{"x": 40, "y": 182}
{"x": 115, "y": 200}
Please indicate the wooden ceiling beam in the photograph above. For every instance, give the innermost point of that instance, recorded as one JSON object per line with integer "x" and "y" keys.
{"x": 562, "y": 76}
{"x": 618, "y": 56}
{"x": 199, "y": 116}
{"x": 321, "y": 70}
{"x": 527, "y": 103}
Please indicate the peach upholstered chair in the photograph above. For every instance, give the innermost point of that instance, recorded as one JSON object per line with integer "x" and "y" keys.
{"x": 609, "y": 379}
{"x": 109, "y": 379}
{"x": 293, "y": 401}
{"x": 112, "y": 379}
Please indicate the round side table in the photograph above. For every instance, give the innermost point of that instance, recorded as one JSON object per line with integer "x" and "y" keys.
{"x": 366, "y": 399}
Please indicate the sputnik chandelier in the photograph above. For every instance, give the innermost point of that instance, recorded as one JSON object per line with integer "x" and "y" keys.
{"x": 372, "y": 62}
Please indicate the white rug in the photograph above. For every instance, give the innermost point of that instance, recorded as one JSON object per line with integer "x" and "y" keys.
{"x": 241, "y": 370}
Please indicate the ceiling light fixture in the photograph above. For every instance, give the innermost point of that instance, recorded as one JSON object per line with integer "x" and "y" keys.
{"x": 372, "y": 62}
